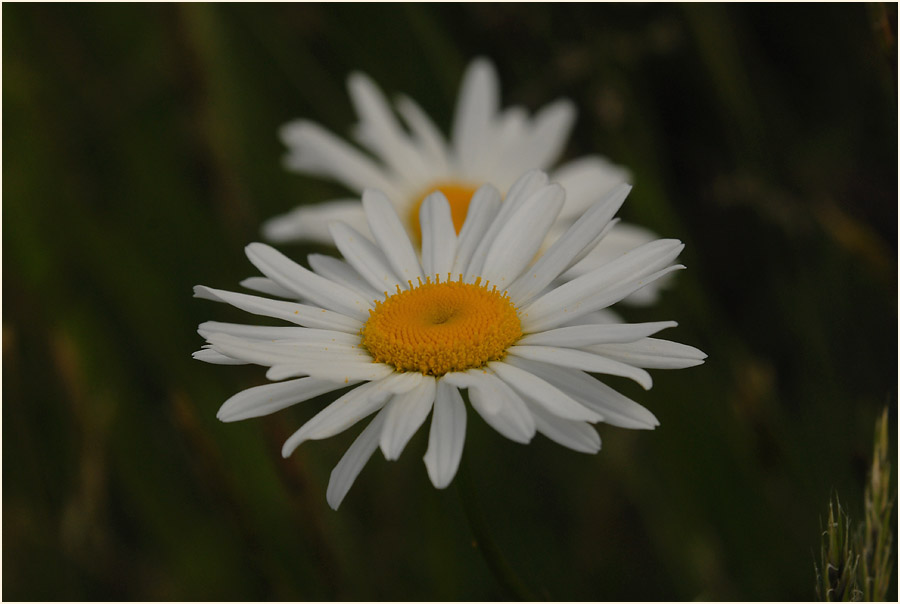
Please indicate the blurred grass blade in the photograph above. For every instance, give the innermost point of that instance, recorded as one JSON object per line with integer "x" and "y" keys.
{"x": 856, "y": 562}
{"x": 836, "y": 578}
{"x": 878, "y": 538}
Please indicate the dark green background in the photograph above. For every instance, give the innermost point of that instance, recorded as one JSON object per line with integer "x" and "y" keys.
{"x": 140, "y": 156}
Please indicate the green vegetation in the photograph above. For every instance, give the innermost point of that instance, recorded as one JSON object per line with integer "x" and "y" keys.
{"x": 140, "y": 156}
{"x": 856, "y": 563}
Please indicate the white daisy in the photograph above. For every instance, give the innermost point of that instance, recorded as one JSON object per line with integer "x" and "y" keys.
{"x": 488, "y": 145}
{"x": 474, "y": 313}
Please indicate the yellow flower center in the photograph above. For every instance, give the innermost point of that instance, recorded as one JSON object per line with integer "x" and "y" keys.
{"x": 436, "y": 328}
{"x": 458, "y": 194}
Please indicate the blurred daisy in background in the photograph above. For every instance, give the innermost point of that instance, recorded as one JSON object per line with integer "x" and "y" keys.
{"x": 408, "y": 331}
{"x": 487, "y": 145}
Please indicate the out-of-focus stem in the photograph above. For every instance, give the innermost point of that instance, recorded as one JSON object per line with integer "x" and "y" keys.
{"x": 495, "y": 559}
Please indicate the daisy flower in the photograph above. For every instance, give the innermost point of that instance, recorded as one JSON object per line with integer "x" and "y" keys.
{"x": 488, "y": 145}
{"x": 475, "y": 311}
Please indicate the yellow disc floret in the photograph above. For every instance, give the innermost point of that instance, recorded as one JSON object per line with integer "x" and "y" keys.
{"x": 458, "y": 194}
{"x": 435, "y": 328}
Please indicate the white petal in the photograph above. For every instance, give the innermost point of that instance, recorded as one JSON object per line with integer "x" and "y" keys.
{"x": 479, "y": 98}
{"x": 341, "y": 414}
{"x": 391, "y": 236}
{"x": 403, "y": 382}
{"x": 276, "y": 373}
{"x": 652, "y": 353}
{"x": 298, "y": 341}
{"x": 579, "y": 336}
{"x": 648, "y": 295}
{"x": 548, "y": 396}
{"x": 299, "y": 314}
{"x": 521, "y": 191}
{"x": 552, "y": 125}
{"x": 381, "y": 129}
{"x": 345, "y": 472}
{"x": 578, "y": 436}
{"x": 327, "y": 370}
{"x": 438, "y": 235}
{"x": 208, "y": 355}
{"x": 603, "y": 286}
{"x": 588, "y": 305}
{"x": 621, "y": 239}
{"x": 267, "y": 286}
{"x": 255, "y": 332}
{"x": 561, "y": 254}
{"x": 293, "y": 336}
{"x": 585, "y": 361}
{"x": 263, "y": 400}
{"x": 398, "y": 383}
{"x": 405, "y": 414}
{"x": 590, "y": 248}
{"x": 364, "y": 256}
{"x": 597, "y": 317}
{"x": 447, "y": 435}
{"x": 340, "y": 272}
{"x": 517, "y": 242}
{"x": 430, "y": 139}
{"x": 509, "y": 132}
{"x": 307, "y": 284}
{"x": 525, "y": 186}
{"x": 482, "y": 210}
{"x": 616, "y": 409}
{"x": 513, "y": 419}
{"x": 474, "y": 379}
{"x": 585, "y": 180}
{"x": 314, "y": 150}
{"x": 310, "y": 223}
{"x": 543, "y": 141}
{"x": 289, "y": 352}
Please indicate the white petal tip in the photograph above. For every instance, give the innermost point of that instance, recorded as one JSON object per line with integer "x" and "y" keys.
{"x": 482, "y": 66}
{"x": 356, "y": 76}
{"x": 227, "y": 414}
{"x": 388, "y": 454}
{"x": 280, "y": 229}
{"x": 643, "y": 427}
{"x": 593, "y": 417}
{"x": 487, "y": 189}
{"x": 440, "y": 477}
{"x": 288, "y": 448}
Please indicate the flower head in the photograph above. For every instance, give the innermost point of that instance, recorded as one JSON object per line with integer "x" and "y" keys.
{"x": 475, "y": 311}
{"x": 410, "y": 160}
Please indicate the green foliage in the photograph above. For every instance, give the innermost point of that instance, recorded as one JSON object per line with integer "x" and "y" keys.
{"x": 856, "y": 561}
{"x": 837, "y": 577}
{"x": 877, "y": 539}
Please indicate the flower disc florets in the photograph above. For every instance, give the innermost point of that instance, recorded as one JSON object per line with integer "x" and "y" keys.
{"x": 435, "y": 328}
